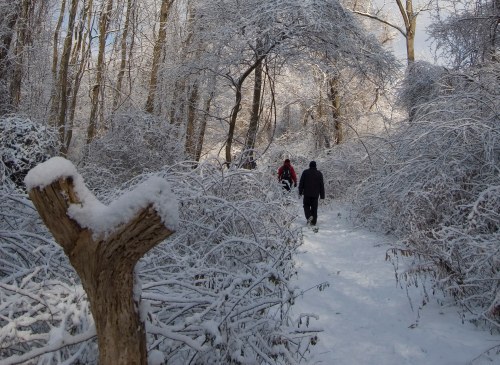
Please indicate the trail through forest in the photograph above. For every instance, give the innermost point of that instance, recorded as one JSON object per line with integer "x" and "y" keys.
{"x": 366, "y": 316}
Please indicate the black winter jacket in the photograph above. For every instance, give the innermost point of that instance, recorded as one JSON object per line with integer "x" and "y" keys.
{"x": 311, "y": 183}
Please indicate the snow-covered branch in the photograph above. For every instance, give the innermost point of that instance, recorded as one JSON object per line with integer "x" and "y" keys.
{"x": 438, "y": 189}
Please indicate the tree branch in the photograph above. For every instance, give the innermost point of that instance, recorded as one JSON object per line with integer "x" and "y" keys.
{"x": 380, "y": 20}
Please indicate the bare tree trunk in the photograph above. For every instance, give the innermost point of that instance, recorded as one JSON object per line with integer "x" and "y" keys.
{"x": 260, "y": 55}
{"x": 335, "y": 104}
{"x": 238, "y": 84}
{"x": 189, "y": 146}
{"x": 410, "y": 20}
{"x": 203, "y": 126}
{"x": 21, "y": 40}
{"x": 106, "y": 269}
{"x": 123, "y": 54}
{"x": 81, "y": 55}
{"x": 160, "y": 41}
{"x": 232, "y": 121}
{"x": 253, "y": 127}
{"x": 99, "y": 82}
{"x": 54, "y": 110}
{"x": 194, "y": 95}
{"x": 493, "y": 49}
{"x": 319, "y": 126}
{"x": 5, "y": 63}
{"x": 60, "y": 93}
{"x": 178, "y": 103}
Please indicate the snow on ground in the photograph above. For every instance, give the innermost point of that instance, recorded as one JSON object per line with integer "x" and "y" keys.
{"x": 366, "y": 316}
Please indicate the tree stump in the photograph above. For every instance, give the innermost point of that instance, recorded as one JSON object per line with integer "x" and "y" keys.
{"x": 105, "y": 266}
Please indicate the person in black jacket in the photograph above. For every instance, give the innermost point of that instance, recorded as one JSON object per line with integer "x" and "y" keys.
{"x": 311, "y": 185}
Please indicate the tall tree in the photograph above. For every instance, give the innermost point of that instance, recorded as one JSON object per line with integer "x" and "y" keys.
{"x": 409, "y": 16}
{"x": 187, "y": 86}
{"x": 79, "y": 59}
{"x": 248, "y": 149}
{"x": 10, "y": 13}
{"x": 203, "y": 126}
{"x": 22, "y": 39}
{"x": 190, "y": 139}
{"x": 129, "y": 15}
{"x": 238, "y": 86}
{"x": 98, "y": 86}
{"x": 334, "y": 97}
{"x": 410, "y": 21}
{"x": 157, "y": 51}
{"x": 60, "y": 90}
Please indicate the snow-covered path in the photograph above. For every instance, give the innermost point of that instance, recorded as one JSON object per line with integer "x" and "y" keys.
{"x": 367, "y": 318}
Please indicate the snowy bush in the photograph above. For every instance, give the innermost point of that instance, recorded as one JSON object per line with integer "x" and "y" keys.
{"x": 217, "y": 291}
{"x": 420, "y": 85}
{"x": 24, "y": 144}
{"x": 345, "y": 165}
{"x": 133, "y": 144}
{"x": 44, "y": 312}
{"x": 440, "y": 191}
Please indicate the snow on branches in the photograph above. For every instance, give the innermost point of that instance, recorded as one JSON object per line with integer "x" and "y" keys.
{"x": 24, "y": 144}
{"x": 44, "y": 313}
{"x": 102, "y": 219}
{"x": 217, "y": 291}
{"x": 439, "y": 189}
{"x": 133, "y": 144}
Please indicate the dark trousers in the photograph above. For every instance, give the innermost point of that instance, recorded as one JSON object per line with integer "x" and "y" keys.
{"x": 311, "y": 208}
{"x": 286, "y": 185}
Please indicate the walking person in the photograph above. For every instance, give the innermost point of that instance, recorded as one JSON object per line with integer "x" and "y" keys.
{"x": 312, "y": 187}
{"x": 287, "y": 175}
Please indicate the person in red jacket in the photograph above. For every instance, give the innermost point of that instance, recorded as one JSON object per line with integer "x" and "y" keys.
{"x": 287, "y": 175}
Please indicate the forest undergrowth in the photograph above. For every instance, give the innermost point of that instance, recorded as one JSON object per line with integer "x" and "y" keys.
{"x": 217, "y": 291}
{"x": 434, "y": 182}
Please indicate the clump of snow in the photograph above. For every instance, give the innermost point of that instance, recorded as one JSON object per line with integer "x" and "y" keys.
{"x": 99, "y": 218}
{"x": 212, "y": 330}
{"x": 102, "y": 219}
{"x": 155, "y": 357}
{"x": 51, "y": 170}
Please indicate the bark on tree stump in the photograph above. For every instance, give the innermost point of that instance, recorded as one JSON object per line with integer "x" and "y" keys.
{"x": 106, "y": 268}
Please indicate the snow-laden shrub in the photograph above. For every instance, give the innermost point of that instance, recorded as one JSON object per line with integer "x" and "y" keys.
{"x": 133, "y": 144}
{"x": 345, "y": 165}
{"x": 24, "y": 143}
{"x": 41, "y": 300}
{"x": 420, "y": 84}
{"x": 218, "y": 292}
{"x": 439, "y": 190}
{"x": 215, "y": 292}
{"x": 468, "y": 35}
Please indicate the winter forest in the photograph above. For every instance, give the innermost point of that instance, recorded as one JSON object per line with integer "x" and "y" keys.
{"x": 163, "y": 123}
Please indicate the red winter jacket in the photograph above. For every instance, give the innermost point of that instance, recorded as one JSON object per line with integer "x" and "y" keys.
{"x": 292, "y": 172}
